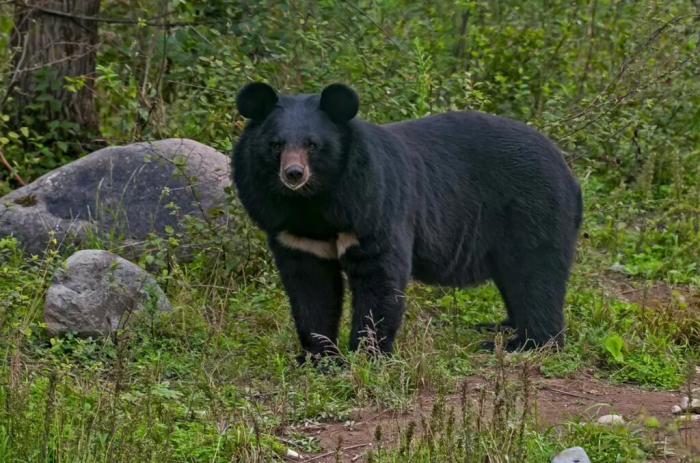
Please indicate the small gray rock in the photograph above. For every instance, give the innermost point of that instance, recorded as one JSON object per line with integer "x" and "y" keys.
{"x": 611, "y": 420}
{"x": 687, "y": 406}
{"x": 120, "y": 191}
{"x": 572, "y": 455}
{"x": 96, "y": 292}
{"x": 676, "y": 410}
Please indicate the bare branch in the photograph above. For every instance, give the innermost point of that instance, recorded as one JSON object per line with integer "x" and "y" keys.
{"x": 599, "y": 100}
{"x": 90, "y": 49}
{"x": 80, "y": 17}
{"x": 12, "y": 171}
{"x": 617, "y": 101}
{"x": 15, "y": 73}
{"x": 388, "y": 36}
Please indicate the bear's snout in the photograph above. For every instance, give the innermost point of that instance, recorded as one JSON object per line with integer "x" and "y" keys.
{"x": 294, "y": 173}
{"x": 294, "y": 168}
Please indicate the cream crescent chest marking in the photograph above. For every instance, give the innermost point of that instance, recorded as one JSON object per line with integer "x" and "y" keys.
{"x": 345, "y": 241}
{"x": 321, "y": 249}
{"x": 331, "y": 250}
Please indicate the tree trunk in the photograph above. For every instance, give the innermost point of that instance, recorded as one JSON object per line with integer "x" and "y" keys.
{"x": 54, "y": 40}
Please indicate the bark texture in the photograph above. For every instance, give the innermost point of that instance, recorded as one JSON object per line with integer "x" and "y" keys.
{"x": 63, "y": 45}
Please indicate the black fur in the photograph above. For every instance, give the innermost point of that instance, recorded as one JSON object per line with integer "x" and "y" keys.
{"x": 452, "y": 199}
{"x": 339, "y": 102}
{"x": 256, "y": 100}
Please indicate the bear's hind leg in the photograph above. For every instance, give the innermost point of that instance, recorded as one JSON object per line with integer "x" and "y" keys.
{"x": 506, "y": 323}
{"x": 534, "y": 288}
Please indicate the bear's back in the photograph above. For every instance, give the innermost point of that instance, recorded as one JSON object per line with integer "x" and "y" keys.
{"x": 489, "y": 157}
{"x": 481, "y": 178}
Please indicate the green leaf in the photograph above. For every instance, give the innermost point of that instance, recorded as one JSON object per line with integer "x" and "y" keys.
{"x": 614, "y": 344}
{"x": 651, "y": 422}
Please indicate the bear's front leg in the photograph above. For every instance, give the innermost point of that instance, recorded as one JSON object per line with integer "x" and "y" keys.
{"x": 378, "y": 283}
{"x": 314, "y": 286}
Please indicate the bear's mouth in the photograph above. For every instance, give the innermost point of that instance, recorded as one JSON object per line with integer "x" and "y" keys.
{"x": 292, "y": 185}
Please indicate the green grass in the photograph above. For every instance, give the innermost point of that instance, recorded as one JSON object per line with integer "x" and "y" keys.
{"x": 215, "y": 380}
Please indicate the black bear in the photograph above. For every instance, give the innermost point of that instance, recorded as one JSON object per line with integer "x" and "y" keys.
{"x": 451, "y": 199}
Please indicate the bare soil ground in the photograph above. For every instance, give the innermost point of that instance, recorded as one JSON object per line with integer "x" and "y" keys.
{"x": 650, "y": 294}
{"x": 559, "y": 400}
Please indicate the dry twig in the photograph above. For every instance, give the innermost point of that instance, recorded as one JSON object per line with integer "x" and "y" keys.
{"x": 9, "y": 167}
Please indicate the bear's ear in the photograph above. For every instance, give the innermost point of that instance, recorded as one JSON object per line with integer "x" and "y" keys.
{"x": 255, "y": 100}
{"x": 340, "y": 102}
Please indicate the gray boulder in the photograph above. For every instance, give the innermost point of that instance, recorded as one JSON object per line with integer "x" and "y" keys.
{"x": 123, "y": 192}
{"x": 572, "y": 455}
{"x": 96, "y": 292}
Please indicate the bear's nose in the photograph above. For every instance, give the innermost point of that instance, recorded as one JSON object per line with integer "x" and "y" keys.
{"x": 294, "y": 173}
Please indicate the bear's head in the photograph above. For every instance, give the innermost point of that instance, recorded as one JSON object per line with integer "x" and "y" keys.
{"x": 297, "y": 143}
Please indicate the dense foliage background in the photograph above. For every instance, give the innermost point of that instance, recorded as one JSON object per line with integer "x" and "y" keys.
{"x": 615, "y": 83}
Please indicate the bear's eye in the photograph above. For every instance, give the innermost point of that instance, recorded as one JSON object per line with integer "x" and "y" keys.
{"x": 277, "y": 146}
{"x": 310, "y": 145}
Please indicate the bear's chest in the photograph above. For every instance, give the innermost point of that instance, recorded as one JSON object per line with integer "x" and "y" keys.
{"x": 308, "y": 222}
{"x": 309, "y": 229}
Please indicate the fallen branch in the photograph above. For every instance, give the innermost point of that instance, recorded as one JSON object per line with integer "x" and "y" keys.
{"x": 9, "y": 167}
{"x": 571, "y": 394}
{"x": 344, "y": 449}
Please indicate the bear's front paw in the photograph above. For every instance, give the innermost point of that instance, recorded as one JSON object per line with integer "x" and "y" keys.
{"x": 491, "y": 327}
{"x": 323, "y": 362}
{"x": 509, "y": 346}
{"x": 518, "y": 345}
{"x": 307, "y": 357}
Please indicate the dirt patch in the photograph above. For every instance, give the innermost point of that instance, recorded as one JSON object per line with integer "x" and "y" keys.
{"x": 580, "y": 397}
{"x": 559, "y": 400}
{"x": 650, "y": 294}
